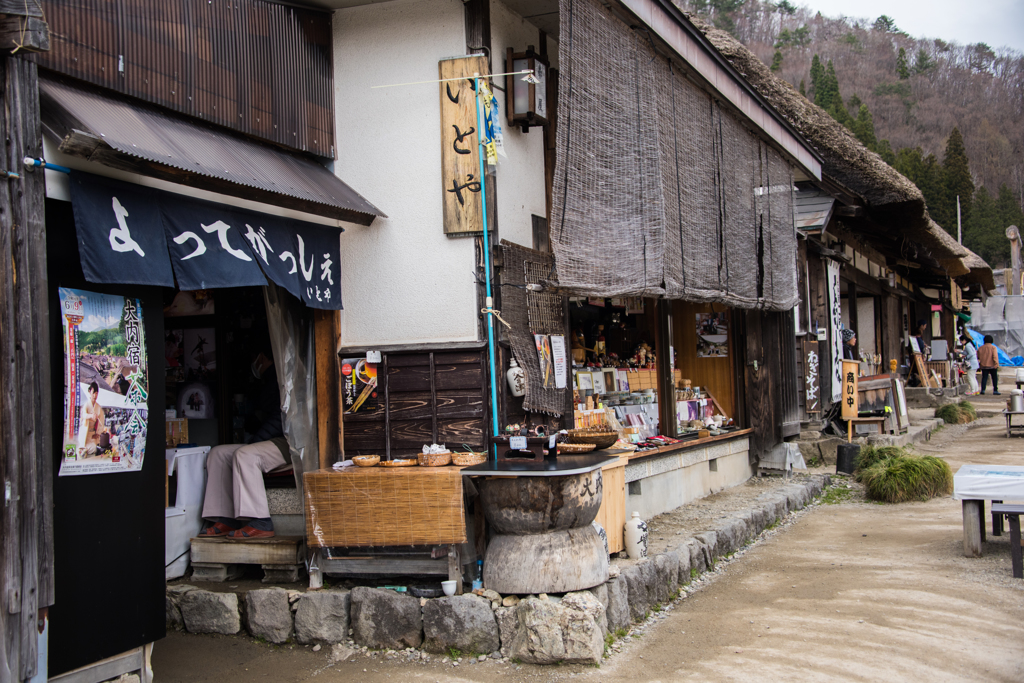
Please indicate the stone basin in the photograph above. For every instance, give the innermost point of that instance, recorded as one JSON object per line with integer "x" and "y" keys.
{"x": 535, "y": 505}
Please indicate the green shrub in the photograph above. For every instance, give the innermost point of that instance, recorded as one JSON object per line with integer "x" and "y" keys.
{"x": 904, "y": 477}
{"x": 871, "y": 455}
{"x": 968, "y": 408}
{"x": 950, "y": 413}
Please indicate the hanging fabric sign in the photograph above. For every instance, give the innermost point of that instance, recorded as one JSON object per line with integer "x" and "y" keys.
{"x": 835, "y": 319}
{"x": 106, "y": 383}
{"x": 199, "y": 244}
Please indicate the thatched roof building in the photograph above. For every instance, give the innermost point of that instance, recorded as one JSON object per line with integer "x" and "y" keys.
{"x": 890, "y": 199}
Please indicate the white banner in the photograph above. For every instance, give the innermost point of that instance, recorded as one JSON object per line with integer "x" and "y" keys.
{"x": 835, "y": 319}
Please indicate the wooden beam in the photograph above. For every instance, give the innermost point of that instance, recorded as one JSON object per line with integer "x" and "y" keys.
{"x": 850, "y": 211}
{"x": 326, "y": 325}
{"x": 21, "y": 8}
{"x": 24, "y": 34}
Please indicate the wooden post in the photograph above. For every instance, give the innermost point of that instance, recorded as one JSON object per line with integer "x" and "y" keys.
{"x": 25, "y": 410}
{"x": 328, "y": 391}
{"x": 973, "y": 523}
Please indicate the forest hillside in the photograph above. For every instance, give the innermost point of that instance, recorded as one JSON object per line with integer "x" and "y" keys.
{"x": 950, "y": 117}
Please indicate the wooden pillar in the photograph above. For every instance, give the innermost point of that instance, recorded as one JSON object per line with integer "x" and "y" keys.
{"x": 973, "y": 526}
{"x": 26, "y": 550}
{"x": 326, "y": 332}
{"x": 851, "y": 295}
{"x": 666, "y": 375}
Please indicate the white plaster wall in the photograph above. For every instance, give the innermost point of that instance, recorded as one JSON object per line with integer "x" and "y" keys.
{"x": 403, "y": 281}
{"x": 664, "y": 492}
{"x": 521, "y": 191}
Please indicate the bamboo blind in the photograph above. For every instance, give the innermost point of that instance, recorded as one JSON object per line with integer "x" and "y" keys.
{"x": 376, "y": 506}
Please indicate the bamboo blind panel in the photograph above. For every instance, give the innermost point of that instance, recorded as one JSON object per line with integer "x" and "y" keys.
{"x": 376, "y": 506}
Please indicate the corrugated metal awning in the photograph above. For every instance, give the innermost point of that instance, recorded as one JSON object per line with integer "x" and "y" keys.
{"x": 812, "y": 208}
{"x": 145, "y": 139}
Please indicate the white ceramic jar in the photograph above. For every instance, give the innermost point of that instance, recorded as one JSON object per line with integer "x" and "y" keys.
{"x": 636, "y": 537}
{"x": 516, "y": 378}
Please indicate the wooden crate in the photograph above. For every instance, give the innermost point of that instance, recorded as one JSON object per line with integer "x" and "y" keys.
{"x": 377, "y": 506}
{"x": 612, "y": 513}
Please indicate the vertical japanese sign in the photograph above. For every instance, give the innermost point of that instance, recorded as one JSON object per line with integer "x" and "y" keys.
{"x": 460, "y": 163}
{"x": 850, "y": 399}
{"x": 106, "y": 383}
{"x": 835, "y": 322}
{"x": 812, "y": 377}
{"x": 560, "y": 359}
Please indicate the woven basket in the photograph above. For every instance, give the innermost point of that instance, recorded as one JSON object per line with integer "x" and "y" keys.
{"x": 469, "y": 459}
{"x": 600, "y": 439}
{"x": 570, "y": 448}
{"x": 434, "y": 459}
{"x": 400, "y": 462}
{"x": 366, "y": 460}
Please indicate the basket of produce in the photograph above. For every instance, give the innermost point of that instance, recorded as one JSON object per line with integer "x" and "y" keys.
{"x": 400, "y": 462}
{"x": 469, "y": 459}
{"x": 366, "y": 460}
{"x": 573, "y": 448}
{"x": 435, "y": 459}
{"x": 601, "y": 438}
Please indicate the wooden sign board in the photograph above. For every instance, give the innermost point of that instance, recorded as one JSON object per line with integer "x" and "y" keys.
{"x": 850, "y": 399}
{"x": 900, "y": 399}
{"x": 812, "y": 377}
{"x": 460, "y": 146}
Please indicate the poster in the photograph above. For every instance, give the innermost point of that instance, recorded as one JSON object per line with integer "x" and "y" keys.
{"x": 359, "y": 386}
{"x": 559, "y": 358}
{"x": 547, "y": 370}
{"x": 712, "y": 335}
{"x": 835, "y": 321}
{"x": 106, "y": 383}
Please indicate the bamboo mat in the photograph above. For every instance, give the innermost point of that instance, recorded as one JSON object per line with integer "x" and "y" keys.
{"x": 374, "y": 506}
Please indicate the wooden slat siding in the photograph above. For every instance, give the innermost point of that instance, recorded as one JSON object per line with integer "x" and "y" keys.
{"x": 763, "y": 412}
{"x": 790, "y": 384}
{"x": 261, "y": 68}
{"x": 328, "y": 389}
{"x": 26, "y": 551}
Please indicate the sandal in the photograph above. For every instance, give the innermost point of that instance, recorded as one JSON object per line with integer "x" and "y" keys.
{"x": 215, "y": 530}
{"x": 247, "y": 533}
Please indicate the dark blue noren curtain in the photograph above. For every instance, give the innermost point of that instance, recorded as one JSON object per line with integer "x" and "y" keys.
{"x": 136, "y": 235}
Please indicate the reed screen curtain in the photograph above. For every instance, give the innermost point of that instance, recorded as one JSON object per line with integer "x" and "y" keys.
{"x": 659, "y": 191}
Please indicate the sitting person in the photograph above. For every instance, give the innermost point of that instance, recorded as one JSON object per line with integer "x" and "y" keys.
{"x": 236, "y": 500}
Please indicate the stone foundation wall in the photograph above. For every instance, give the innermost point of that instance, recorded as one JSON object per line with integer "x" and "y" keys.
{"x": 537, "y": 629}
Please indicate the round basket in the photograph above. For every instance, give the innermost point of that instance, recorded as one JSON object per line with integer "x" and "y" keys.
{"x": 469, "y": 459}
{"x": 434, "y": 459}
{"x": 600, "y": 439}
{"x": 366, "y": 460}
{"x": 399, "y": 462}
{"x": 571, "y": 448}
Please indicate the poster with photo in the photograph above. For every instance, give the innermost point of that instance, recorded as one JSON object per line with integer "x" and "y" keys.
{"x": 712, "y": 335}
{"x": 359, "y": 386}
{"x": 196, "y": 401}
{"x": 200, "y": 353}
{"x": 106, "y": 383}
{"x": 546, "y": 360}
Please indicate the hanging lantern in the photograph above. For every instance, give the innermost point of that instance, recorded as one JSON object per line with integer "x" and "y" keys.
{"x": 526, "y": 96}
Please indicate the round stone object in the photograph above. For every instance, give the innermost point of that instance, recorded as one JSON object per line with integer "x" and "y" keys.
{"x": 558, "y": 562}
{"x": 537, "y": 505}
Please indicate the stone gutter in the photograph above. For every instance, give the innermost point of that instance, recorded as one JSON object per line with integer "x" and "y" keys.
{"x": 542, "y": 629}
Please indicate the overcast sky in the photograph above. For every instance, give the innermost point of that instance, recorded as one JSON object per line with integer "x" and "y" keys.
{"x": 999, "y": 23}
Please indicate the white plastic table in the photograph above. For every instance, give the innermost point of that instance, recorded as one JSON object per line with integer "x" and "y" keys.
{"x": 973, "y": 485}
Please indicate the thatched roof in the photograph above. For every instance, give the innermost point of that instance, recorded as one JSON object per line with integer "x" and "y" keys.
{"x": 892, "y": 199}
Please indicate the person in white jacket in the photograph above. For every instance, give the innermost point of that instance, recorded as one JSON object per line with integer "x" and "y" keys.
{"x": 971, "y": 358}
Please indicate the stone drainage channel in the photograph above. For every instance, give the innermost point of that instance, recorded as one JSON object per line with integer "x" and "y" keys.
{"x": 581, "y": 627}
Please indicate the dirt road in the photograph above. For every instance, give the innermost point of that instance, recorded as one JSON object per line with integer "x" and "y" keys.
{"x": 849, "y": 592}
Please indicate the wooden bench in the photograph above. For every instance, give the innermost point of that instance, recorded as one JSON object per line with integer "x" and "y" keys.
{"x": 879, "y": 421}
{"x": 220, "y": 559}
{"x": 1012, "y": 512}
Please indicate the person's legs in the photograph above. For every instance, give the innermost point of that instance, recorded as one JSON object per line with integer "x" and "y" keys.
{"x": 219, "y": 501}
{"x": 972, "y": 381}
{"x": 995, "y": 381}
{"x": 984, "y": 380}
{"x": 248, "y": 465}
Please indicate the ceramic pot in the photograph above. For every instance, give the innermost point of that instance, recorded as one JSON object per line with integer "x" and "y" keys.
{"x": 636, "y": 537}
{"x": 516, "y": 378}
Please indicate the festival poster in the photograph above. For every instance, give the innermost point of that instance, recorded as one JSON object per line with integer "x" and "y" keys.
{"x": 106, "y": 383}
{"x": 544, "y": 357}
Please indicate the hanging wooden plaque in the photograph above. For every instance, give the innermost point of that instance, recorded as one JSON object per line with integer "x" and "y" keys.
{"x": 812, "y": 377}
{"x": 850, "y": 397}
{"x": 460, "y": 164}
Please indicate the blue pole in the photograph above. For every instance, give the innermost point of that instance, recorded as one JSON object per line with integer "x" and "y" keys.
{"x": 487, "y": 265}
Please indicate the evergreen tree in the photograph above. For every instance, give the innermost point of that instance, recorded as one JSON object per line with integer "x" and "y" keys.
{"x": 957, "y": 182}
{"x": 902, "y": 70}
{"x": 817, "y": 75}
{"x": 930, "y": 183}
{"x": 1008, "y": 208}
{"x": 885, "y": 24}
{"x": 802, "y": 88}
{"x": 786, "y": 7}
{"x": 983, "y": 233}
{"x": 923, "y": 62}
{"x": 853, "y": 104}
{"x": 831, "y": 100}
{"x": 777, "y": 61}
{"x": 884, "y": 150}
{"x": 864, "y": 127}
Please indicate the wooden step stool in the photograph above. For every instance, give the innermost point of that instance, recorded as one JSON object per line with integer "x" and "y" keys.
{"x": 220, "y": 559}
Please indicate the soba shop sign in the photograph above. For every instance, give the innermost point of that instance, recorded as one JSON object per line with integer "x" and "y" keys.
{"x": 129, "y": 234}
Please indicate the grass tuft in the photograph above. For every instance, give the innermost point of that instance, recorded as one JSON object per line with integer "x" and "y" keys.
{"x": 903, "y": 478}
{"x": 872, "y": 455}
{"x": 968, "y": 408}
{"x": 835, "y": 495}
{"x": 957, "y": 413}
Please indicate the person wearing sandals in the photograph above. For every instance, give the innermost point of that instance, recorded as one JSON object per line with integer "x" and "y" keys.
{"x": 236, "y": 500}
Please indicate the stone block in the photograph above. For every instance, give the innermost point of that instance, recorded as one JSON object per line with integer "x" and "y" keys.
{"x": 462, "y": 622}
{"x": 683, "y": 553}
{"x": 172, "y": 603}
{"x": 796, "y": 497}
{"x": 827, "y": 449}
{"x": 601, "y": 593}
{"x": 565, "y": 631}
{"x": 698, "y": 559}
{"x": 755, "y": 521}
{"x": 636, "y": 592}
{"x": 209, "y": 612}
{"x": 710, "y": 541}
{"x": 667, "y": 567}
{"x": 508, "y": 627}
{"x": 617, "y": 608}
{"x": 385, "y": 619}
{"x": 269, "y": 614}
{"x": 814, "y": 487}
{"x": 322, "y": 617}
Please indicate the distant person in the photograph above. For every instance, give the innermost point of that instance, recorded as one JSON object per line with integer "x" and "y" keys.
{"x": 971, "y": 359}
{"x": 236, "y": 500}
{"x": 988, "y": 360}
{"x": 849, "y": 342}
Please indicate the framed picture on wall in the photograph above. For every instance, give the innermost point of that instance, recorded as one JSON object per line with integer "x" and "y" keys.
{"x": 599, "y": 385}
{"x": 584, "y": 381}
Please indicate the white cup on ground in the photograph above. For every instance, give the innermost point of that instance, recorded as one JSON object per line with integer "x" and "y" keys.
{"x": 448, "y": 587}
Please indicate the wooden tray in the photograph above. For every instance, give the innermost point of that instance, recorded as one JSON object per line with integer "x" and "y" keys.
{"x": 400, "y": 462}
